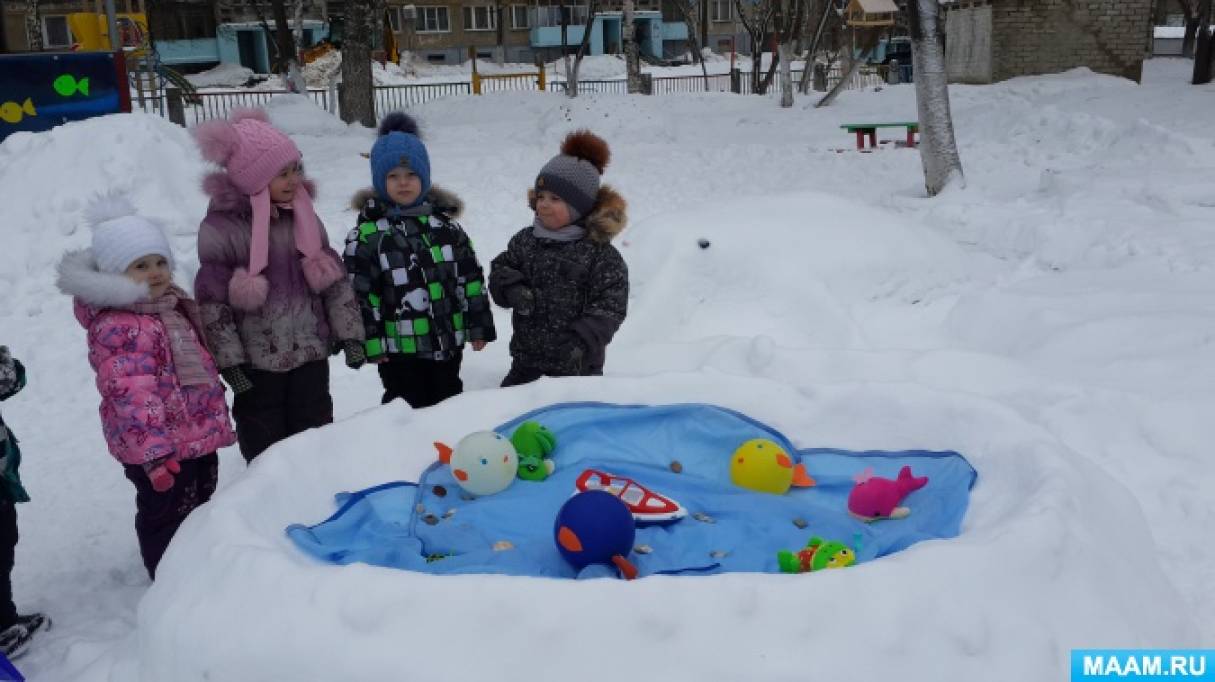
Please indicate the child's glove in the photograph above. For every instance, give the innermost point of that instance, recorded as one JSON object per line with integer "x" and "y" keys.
{"x": 160, "y": 472}
{"x": 522, "y": 299}
{"x": 573, "y": 352}
{"x": 355, "y": 356}
{"x": 236, "y": 378}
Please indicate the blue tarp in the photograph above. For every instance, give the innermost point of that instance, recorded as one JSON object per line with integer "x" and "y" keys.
{"x": 738, "y": 530}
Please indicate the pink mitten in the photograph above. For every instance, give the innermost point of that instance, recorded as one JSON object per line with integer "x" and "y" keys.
{"x": 160, "y": 473}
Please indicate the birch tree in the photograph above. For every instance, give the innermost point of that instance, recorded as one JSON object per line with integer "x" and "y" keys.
{"x": 33, "y": 26}
{"x": 938, "y": 149}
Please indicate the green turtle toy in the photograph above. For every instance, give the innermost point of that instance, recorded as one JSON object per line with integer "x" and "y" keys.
{"x": 534, "y": 443}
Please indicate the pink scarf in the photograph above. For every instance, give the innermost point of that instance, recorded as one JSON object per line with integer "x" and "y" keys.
{"x": 249, "y": 288}
{"x": 178, "y": 313}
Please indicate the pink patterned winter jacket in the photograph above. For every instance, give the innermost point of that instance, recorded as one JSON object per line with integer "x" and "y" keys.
{"x": 146, "y": 414}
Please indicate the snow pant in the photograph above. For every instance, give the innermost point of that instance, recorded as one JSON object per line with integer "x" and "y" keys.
{"x": 158, "y": 515}
{"x": 8, "y": 547}
{"x": 524, "y": 374}
{"x": 281, "y": 404}
{"x": 421, "y": 383}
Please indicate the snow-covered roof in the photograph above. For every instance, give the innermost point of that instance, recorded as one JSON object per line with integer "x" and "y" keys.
{"x": 877, "y": 6}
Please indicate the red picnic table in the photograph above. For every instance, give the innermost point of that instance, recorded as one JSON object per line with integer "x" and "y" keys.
{"x": 870, "y": 129}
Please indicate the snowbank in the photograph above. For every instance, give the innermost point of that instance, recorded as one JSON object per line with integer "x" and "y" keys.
{"x": 226, "y": 75}
{"x": 1032, "y": 567}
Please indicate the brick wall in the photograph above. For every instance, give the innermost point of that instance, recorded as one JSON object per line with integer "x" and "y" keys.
{"x": 1048, "y": 36}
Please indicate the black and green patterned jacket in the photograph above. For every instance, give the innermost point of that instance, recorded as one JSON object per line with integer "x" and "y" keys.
{"x": 416, "y": 278}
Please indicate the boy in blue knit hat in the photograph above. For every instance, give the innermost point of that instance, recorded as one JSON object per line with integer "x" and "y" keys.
{"x": 415, "y": 274}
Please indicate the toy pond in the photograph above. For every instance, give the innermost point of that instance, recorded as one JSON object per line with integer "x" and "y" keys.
{"x": 586, "y": 490}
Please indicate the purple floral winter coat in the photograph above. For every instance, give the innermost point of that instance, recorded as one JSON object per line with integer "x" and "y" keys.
{"x": 146, "y": 414}
{"x": 294, "y": 326}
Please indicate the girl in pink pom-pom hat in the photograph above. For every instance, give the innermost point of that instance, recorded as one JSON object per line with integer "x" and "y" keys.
{"x": 273, "y": 294}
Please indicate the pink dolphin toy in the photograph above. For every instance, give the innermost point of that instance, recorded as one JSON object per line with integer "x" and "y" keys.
{"x": 874, "y": 498}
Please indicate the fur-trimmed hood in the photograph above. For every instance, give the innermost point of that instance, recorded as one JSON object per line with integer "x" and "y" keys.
{"x": 440, "y": 199}
{"x": 608, "y": 217}
{"x": 227, "y": 198}
{"x": 79, "y": 278}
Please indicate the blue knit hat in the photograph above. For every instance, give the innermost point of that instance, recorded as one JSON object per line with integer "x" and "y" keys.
{"x": 399, "y": 145}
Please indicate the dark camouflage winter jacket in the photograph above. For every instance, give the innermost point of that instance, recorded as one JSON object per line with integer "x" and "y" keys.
{"x": 12, "y": 380}
{"x": 416, "y": 278}
{"x": 575, "y": 294}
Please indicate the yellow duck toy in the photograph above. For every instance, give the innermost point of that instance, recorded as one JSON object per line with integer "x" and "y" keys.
{"x": 763, "y": 466}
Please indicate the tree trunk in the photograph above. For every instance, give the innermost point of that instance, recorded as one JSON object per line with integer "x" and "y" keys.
{"x": 500, "y": 51}
{"x": 1202, "y": 53}
{"x": 33, "y": 26}
{"x": 356, "y": 97}
{"x": 786, "y": 75}
{"x": 689, "y": 10}
{"x": 632, "y": 58}
{"x": 565, "y": 53}
{"x": 571, "y": 79}
{"x": 295, "y": 68}
{"x": 812, "y": 52}
{"x": 938, "y": 149}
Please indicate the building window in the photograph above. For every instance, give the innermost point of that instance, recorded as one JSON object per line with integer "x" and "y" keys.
{"x": 550, "y": 15}
{"x": 55, "y": 32}
{"x": 181, "y": 21}
{"x": 721, "y": 10}
{"x": 480, "y": 18}
{"x": 433, "y": 20}
{"x": 436, "y": 58}
{"x": 518, "y": 16}
{"x": 394, "y": 18}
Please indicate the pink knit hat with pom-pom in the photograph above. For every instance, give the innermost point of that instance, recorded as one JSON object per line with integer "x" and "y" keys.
{"x": 251, "y": 149}
{"x": 253, "y": 152}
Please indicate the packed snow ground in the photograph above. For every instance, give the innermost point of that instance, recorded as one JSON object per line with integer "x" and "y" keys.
{"x": 1054, "y": 321}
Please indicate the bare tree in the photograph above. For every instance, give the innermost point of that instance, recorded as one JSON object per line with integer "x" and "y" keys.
{"x": 756, "y": 18}
{"x": 792, "y": 20}
{"x": 1205, "y": 51}
{"x": 356, "y": 97}
{"x": 287, "y": 41}
{"x": 824, "y": 15}
{"x": 690, "y": 11}
{"x": 33, "y": 26}
{"x": 1189, "y": 8}
{"x": 500, "y": 23}
{"x": 632, "y": 56}
{"x": 866, "y": 40}
{"x": 938, "y": 149}
{"x": 571, "y": 77}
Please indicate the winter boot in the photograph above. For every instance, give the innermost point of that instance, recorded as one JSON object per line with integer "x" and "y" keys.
{"x": 15, "y": 639}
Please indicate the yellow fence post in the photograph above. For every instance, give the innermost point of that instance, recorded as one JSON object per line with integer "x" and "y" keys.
{"x": 476, "y": 77}
{"x": 542, "y": 80}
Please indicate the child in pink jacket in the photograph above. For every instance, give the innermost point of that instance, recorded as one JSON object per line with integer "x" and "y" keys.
{"x": 162, "y": 406}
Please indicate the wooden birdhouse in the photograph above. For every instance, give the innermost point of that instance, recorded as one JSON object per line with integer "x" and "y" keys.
{"x": 870, "y": 13}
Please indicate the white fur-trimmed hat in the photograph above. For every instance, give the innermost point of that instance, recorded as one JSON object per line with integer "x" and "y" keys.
{"x": 121, "y": 236}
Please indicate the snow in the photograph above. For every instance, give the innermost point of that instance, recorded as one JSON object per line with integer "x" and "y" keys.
{"x": 1054, "y": 321}
{"x": 225, "y": 75}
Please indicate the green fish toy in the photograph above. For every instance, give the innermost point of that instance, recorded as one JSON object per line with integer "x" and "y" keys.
{"x": 534, "y": 443}
{"x": 67, "y": 85}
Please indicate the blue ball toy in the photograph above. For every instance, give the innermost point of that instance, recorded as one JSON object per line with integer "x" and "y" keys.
{"x": 595, "y": 527}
